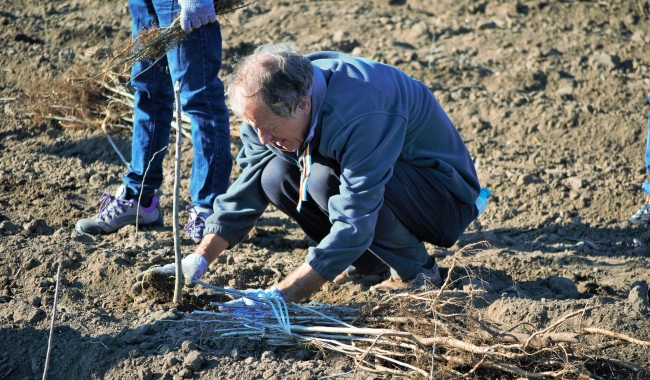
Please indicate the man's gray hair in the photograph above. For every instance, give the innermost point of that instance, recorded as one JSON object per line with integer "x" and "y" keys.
{"x": 277, "y": 73}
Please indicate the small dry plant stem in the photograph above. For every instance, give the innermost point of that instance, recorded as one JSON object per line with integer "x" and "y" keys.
{"x": 431, "y": 49}
{"x": 137, "y": 211}
{"x": 433, "y": 350}
{"x": 49, "y": 341}
{"x": 177, "y": 179}
{"x": 108, "y": 117}
{"x": 595, "y": 330}
{"x": 556, "y": 324}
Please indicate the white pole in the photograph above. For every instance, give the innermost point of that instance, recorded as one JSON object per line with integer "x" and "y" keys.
{"x": 177, "y": 180}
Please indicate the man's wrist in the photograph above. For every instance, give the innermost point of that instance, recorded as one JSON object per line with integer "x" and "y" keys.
{"x": 211, "y": 246}
{"x": 276, "y": 292}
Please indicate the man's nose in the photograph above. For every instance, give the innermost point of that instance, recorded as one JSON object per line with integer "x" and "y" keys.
{"x": 265, "y": 137}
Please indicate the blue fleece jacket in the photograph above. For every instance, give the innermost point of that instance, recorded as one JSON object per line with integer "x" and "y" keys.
{"x": 371, "y": 115}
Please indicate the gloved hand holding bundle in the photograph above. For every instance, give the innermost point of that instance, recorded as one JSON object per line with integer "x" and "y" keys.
{"x": 196, "y": 13}
{"x": 255, "y": 302}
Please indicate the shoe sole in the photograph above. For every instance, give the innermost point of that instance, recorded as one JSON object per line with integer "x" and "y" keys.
{"x": 639, "y": 221}
{"x": 101, "y": 231}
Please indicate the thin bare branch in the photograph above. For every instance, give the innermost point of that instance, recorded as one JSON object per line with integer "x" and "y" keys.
{"x": 599, "y": 331}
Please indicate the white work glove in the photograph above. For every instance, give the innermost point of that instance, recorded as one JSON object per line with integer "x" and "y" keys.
{"x": 251, "y": 305}
{"x": 196, "y": 13}
{"x": 194, "y": 266}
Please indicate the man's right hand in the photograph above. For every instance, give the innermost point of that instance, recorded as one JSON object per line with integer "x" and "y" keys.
{"x": 194, "y": 266}
{"x": 250, "y": 305}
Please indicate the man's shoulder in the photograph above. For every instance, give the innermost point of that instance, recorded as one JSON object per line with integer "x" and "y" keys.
{"x": 336, "y": 61}
{"x": 324, "y": 55}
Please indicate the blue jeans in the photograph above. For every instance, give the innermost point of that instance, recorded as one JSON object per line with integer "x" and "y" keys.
{"x": 417, "y": 208}
{"x": 646, "y": 185}
{"x": 195, "y": 63}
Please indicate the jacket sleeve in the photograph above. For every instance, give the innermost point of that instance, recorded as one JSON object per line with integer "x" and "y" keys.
{"x": 236, "y": 211}
{"x": 367, "y": 150}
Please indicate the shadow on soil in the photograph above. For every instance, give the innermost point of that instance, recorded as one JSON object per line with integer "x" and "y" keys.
{"x": 578, "y": 238}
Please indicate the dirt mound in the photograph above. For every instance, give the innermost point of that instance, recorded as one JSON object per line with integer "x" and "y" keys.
{"x": 550, "y": 97}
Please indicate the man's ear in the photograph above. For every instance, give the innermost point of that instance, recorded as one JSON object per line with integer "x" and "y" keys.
{"x": 305, "y": 104}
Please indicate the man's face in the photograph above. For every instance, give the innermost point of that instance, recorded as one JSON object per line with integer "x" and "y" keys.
{"x": 286, "y": 134}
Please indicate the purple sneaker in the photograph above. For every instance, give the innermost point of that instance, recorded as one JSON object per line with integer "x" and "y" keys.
{"x": 196, "y": 224}
{"x": 116, "y": 212}
{"x": 642, "y": 216}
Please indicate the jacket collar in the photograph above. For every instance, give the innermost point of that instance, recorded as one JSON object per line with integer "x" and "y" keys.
{"x": 317, "y": 96}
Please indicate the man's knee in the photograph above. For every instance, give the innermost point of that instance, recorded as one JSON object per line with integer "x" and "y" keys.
{"x": 323, "y": 183}
{"x": 275, "y": 180}
{"x": 390, "y": 231}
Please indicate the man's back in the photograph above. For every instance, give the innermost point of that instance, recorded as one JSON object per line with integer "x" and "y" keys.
{"x": 377, "y": 109}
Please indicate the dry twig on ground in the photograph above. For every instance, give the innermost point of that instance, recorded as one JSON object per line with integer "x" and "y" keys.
{"x": 49, "y": 341}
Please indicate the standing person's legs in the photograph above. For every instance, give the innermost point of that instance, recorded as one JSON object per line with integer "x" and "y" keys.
{"x": 195, "y": 64}
{"x": 152, "y": 115}
{"x": 642, "y": 216}
{"x": 153, "y": 108}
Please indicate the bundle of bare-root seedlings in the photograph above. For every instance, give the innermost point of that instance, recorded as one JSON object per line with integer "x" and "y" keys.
{"x": 76, "y": 101}
{"x": 152, "y": 44}
{"x": 435, "y": 333}
{"x": 82, "y": 98}
{"x": 74, "y": 105}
